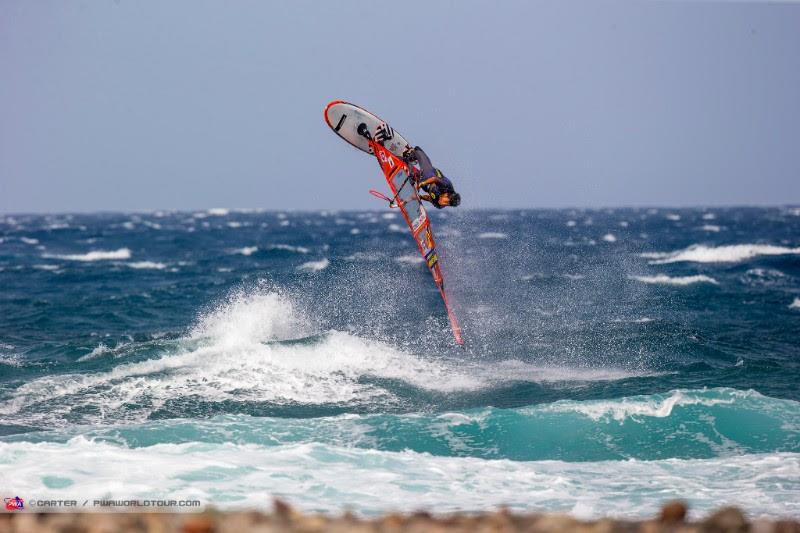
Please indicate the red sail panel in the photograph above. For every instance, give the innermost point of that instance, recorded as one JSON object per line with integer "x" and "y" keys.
{"x": 405, "y": 195}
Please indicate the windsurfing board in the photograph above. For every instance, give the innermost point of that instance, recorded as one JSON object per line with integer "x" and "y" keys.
{"x": 344, "y": 119}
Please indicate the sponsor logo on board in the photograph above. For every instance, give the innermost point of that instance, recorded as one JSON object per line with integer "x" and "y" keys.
{"x": 383, "y": 132}
{"x": 14, "y": 504}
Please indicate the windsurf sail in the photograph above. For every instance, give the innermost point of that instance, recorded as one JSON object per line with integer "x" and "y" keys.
{"x": 406, "y": 198}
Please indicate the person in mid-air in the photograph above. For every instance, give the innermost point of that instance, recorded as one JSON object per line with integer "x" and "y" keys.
{"x": 437, "y": 188}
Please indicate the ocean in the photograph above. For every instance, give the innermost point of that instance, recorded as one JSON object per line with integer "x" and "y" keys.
{"x": 614, "y": 359}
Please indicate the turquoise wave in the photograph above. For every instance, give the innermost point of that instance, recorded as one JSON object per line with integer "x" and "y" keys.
{"x": 328, "y": 478}
{"x": 680, "y": 424}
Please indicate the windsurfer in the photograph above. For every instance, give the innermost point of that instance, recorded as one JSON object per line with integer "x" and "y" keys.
{"x": 437, "y": 188}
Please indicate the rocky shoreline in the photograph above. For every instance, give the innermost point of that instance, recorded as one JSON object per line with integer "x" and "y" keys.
{"x": 284, "y": 518}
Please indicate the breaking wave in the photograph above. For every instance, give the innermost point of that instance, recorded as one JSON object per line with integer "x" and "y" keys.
{"x": 246, "y": 250}
{"x": 95, "y": 255}
{"x": 733, "y": 253}
{"x": 315, "y": 266}
{"x": 252, "y": 347}
{"x": 260, "y": 347}
{"x": 289, "y": 248}
{"x": 561, "y": 456}
{"x": 663, "y": 279}
{"x": 147, "y": 265}
{"x": 322, "y": 477}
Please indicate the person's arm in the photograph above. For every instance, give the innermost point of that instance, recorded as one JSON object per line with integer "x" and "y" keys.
{"x": 432, "y": 179}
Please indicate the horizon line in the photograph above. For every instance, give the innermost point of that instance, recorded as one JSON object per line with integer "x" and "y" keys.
{"x": 258, "y": 210}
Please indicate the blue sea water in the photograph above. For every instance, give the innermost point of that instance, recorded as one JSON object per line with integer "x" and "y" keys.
{"x": 614, "y": 359}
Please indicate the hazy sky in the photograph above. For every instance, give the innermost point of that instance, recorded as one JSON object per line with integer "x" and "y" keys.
{"x": 138, "y": 105}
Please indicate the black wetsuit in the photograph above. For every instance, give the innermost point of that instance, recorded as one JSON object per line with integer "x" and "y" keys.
{"x": 442, "y": 185}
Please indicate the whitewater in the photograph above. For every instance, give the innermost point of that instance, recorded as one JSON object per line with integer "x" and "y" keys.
{"x": 615, "y": 359}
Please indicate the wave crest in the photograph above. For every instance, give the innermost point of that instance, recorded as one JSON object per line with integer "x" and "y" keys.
{"x": 95, "y": 255}
{"x": 732, "y": 253}
{"x": 663, "y": 279}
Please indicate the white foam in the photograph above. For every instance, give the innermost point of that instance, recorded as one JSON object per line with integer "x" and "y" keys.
{"x": 492, "y": 235}
{"x": 409, "y": 259}
{"x": 663, "y": 279}
{"x": 10, "y": 359}
{"x": 713, "y": 228}
{"x": 147, "y": 265}
{"x": 246, "y": 318}
{"x": 320, "y": 477}
{"x": 315, "y": 266}
{"x": 795, "y": 304}
{"x": 51, "y": 268}
{"x": 571, "y": 223}
{"x": 355, "y": 231}
{"x": 218, "y": 212}
{"x": 765, "y": 273}
{"x": 395, "y": 227}
{"x": 247, "y": 250}
{"x": 733, "y": 253}
{"x": 609, "y": 237}
{"x": 28, "y": 240}
{"x": 388, "y": 216}
{"x": 656, "y": 406}
{"x": 709, "y": 216}
{"x": 95, "y": 255}
{"x": 289, "y": 248}
{"x": 672, "y": 216}
{"x": 98, "y": 351}
{"x": 101, "y": 350}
